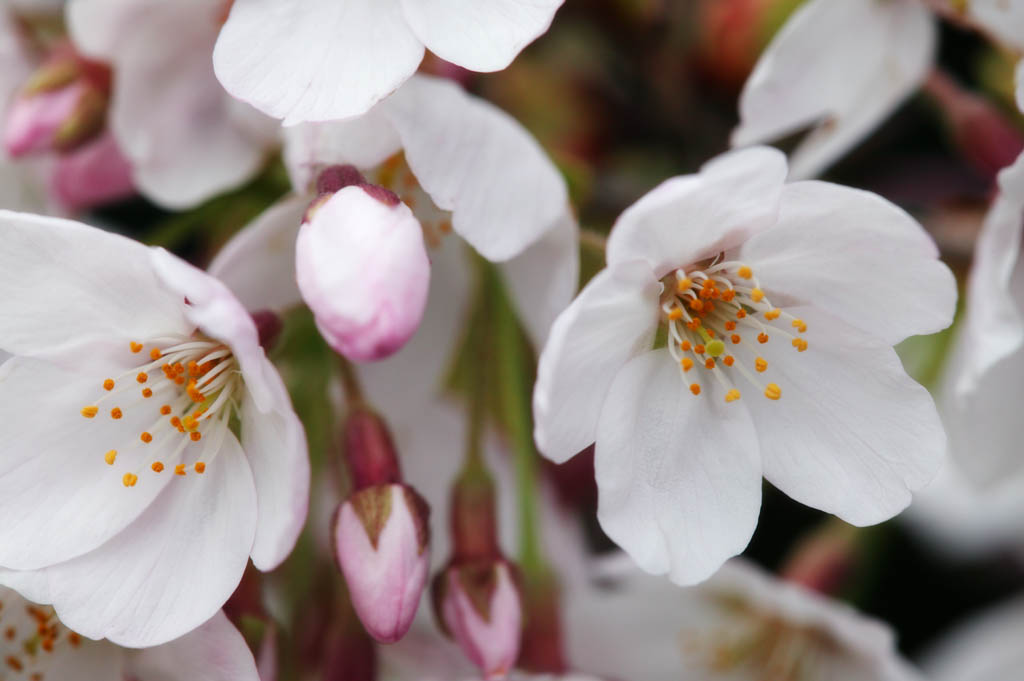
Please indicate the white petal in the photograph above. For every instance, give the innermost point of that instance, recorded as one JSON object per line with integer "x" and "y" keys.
{"x": 65, "y": 283}
{"x": 173, "y": 568}
{"x": 843, "y": 66}
{"x": 852, "y": 434}
{"x": 688, "y": 218}
{"x": 678, "y": 475}
{"x": 275, "y": 445}
{"x": 364, "y": 142}
{"x": 59, "y": 497}
{"x": 31, "y": 584}
{"x": 985, "y": 648}
{"x": 478, "y": 162}
{"x": 186, "y": 139}
{"x": 214, "y": 309}
{"x": 994, "y": 325}
{"x": 856, "y": 255}
{"x": 315, "y": 60}
{"x": 1003, "y": 20}
{"x": 258, "y": 263}
{"x": 479, "y": 36}
{"x": 213, "y": 652}
{"x": 97, "y": 26}
{"x": 612, "y": 320}
{"x": 542, "y": 279}
{"x": 401, "y": 383}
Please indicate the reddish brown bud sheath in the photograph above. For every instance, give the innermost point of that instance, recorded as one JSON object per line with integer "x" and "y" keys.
{"x": 369, "y": 450}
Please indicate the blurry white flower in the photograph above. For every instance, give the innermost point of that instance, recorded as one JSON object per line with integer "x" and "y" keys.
{"x": 186, "y": 138}
{"x": 320, "y": 60}
{"x": 124, "y": 485}
{"x": 840, "y": 67}
{"x": 461, "y": 166}
{"x": 985, "y": 648}
{"x": 37, "y": 646}
{"x": 789, "y": 296}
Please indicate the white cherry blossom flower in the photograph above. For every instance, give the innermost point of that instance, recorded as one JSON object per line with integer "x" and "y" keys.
{"x": 741, "y": 625}
{"x": 320, "y": 60}
{"x": 186, "y": 139}
{"x": 124, "y": 484}
{"x": 840, "y": 67}
{"x": 984, "y": 648}
{"x": 779, "y": 305}
{"x": 471, "y": 175}
{"x": 36, "y": 646}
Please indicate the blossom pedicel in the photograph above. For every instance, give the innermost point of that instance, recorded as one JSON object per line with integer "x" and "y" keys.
{"x": 140, "y": 363}
{"x": 779, "y": 305}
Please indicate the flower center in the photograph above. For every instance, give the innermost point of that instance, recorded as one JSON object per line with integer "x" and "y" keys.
{"x": 720, "y": 308}
{"x": 189, "y": 385}
{"x": 29, "y": 635}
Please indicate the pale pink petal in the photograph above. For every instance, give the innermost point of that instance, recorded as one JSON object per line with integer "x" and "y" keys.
{"x": 365, "y": 141}
{"x": 479, "y": 163}
{"x": 692, "y": 217}
{"x": 174, "y": 567}
{"x": 315, "y": 60}
{"x": 611, "y": 321}
{"x": 215, "y": 651}
{"x": 678, "y": 474}
{"x": 480, "y": 36}
{"x": 840, "y": 66}
{"x": 857, "y": 256}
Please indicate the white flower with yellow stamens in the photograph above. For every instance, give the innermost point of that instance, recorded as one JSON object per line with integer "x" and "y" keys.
{"x": 122, "y": 480}
{"x": 778, "y": 305}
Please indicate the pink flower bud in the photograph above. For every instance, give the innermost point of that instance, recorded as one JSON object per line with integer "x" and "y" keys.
{"x": 362, "y": 268}
{"x": 33, "y": 121}
{"x": 479, "y": 606}
{"x": 380, "y": 540}
{"x": 92, "y": 175}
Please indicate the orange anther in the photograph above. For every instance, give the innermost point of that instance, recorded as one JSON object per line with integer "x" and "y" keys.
{"x": 116, "y": 413}
{"x": 157, "y": 467}
{"x": 165, "y": 409}
{"x": 745, "y": 272}
{"x": 147, "y": 393}
{"x": 799, "y": 325}
{"x": 200, "y": 467}
{"x": 735, "y": 338}
{"x": 130, "y": 479}
{"x": 89, "y": 412}
{"x": 675, "y": 314}
{"x": 179, "y": 469}
{"x": 762, "y": 337}
{"x": 695, "y": 388}
{"x": 178, "y": 368}
{"x": 14, "y": 663}
{"x": 47, "y": 644}
{"x": 108, "y": 384}
{"x": 193, "y": 368}
{"x": 800, "y": 344}
{"x": 760, "y": 364}
{"x": 729, "y": 360}
{"x": 142, "y": 377}
{"x": 730, "y": 325}
{"x": 684, "y": 284}
{"x": 693, "y": 324}
{"x": 180, "y": 380}
{"x": 732, "y": 395}
{"x": 196, "y": 436}
{"x": 709, "y": 306}
{"x": 697, "y": 304}
{"x": 757, "y": 295}
{"x": 772, "y": 391}
{"x": 685, "y": 346}
{"x": 709, "y": 363}
{"x": 74, "y": 639}
{"x": 687, "y": 363}
{"x": 711, "y": 332}
{"x": 175, "y": 421}
{"x": 135, "y": 347}
{"x": 728, "y": 295}
{"x": 146, "y": 437}
{"x": 699, "y": 349}
{"x": 155, "y": 354}
{"x": 741, "y": 313}
{"x": 110, "y": 456}
{"x": 772, "y": 314}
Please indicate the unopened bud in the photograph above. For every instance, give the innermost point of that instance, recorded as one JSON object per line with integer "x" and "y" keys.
{"x": 92, "y": 175}
{"x": 381, "y": 537}
{"x": 369, "y": 450}
{"x": 478, "y": 605}
{"x": 62, "y": 106}
{"x": 362, "y": 268}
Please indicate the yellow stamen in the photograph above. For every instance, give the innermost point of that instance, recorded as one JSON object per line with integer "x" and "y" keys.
{"x": 157, "y": 467}
{"x": 695, "y": 388}
{"x": 773, "y": 391}
{"x": 108, "y": 384}
{"x": 772, "y": 314}
{"x": 799, "y": 325}
{"x": 146, "y": 437}
{"x": 110, "y": 456}
{"x": 687, "y": 363}
{"x": 760, "y": 364}
{"x": 732, "y": 395}
{"x": 757, "y": 295}
{"x": 89, "y": 412}
{"x": 130, "y": 479}
{"x": 200, "y": 467}
{"x": 135, "y": 347}
{"x": 745, "y": 272}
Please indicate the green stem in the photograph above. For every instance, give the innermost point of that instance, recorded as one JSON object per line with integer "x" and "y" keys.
{"x": 513, "y": 371}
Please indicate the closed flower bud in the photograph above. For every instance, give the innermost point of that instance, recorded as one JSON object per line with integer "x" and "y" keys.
{"x": 92, "y": 175}
{"x": 478, "y": 605}
{"x": 381, "y": 537}
{"x": 362, "y": 268}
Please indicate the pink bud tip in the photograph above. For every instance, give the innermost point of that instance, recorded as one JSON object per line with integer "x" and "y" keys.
{"x": 490, "y": 635}
{"x": 380, "y": 540}
{"x": 362, "y": 268}
{"x": 92, "y": 175}
{"x": 34, "y": 120}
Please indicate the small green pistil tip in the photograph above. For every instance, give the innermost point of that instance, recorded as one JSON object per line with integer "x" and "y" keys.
{"x": 715, "y": 348}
